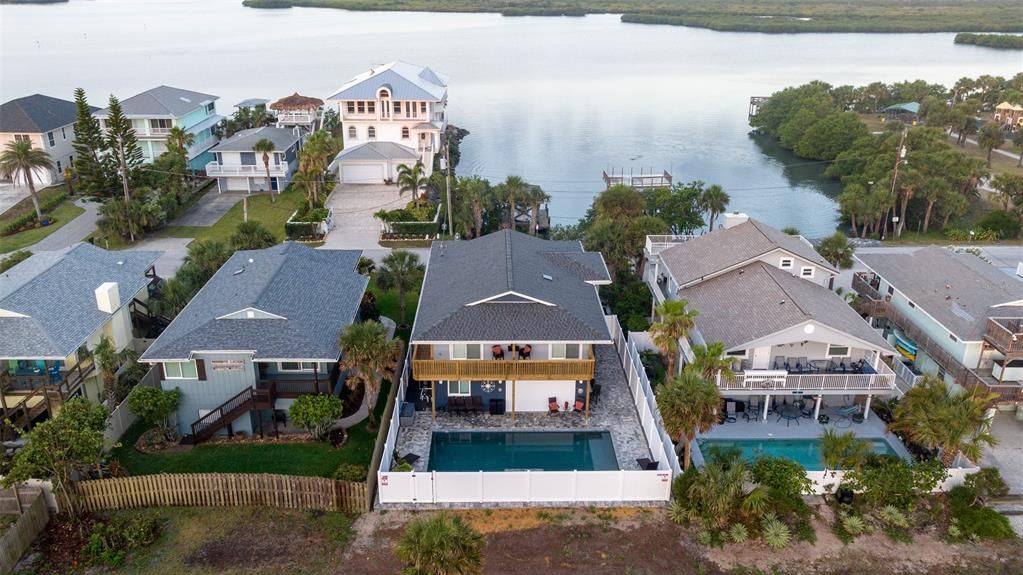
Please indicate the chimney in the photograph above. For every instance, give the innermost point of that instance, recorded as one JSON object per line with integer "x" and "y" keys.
{"x": 733, "y": 219}
{"x": 108, "y": 299}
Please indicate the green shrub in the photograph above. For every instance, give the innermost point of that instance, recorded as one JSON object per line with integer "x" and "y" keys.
{"x": 978, "y": 234}
{"x": 705, "y": 538}
{"x": 774, "y": 533}
{"x": 678, "y": 513}
{"x": 14, "y": 259}
{"x": 785, "y": 478}
{"x": 892, "y": 516}
{"x": 890, "y": 480}
{"x": 1004, "y": 224}
{"x": 351, "y": 472}
{"x": 853, "y": 525}
{"x": 790, "y": 230}
{"x": 109, "y": 542}
{"x": 316, "y": 413}
{"x": 974, "y": 521}
{"x": 985, "y": 484}
{"x": 155, "y": 406}
{"x": 738, "y": 533}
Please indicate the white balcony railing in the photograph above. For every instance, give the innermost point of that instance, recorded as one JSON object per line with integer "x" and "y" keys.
{"x": 215, "y": 169}
{"x": 657, "y": 244}
{"x": 765, "y": 381}
{"x": 158, "y": 131}
{"x": 295, "y": 118}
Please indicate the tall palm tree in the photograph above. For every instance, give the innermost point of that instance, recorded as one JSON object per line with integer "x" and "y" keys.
{"x": 990, "y": 138}
{"x": 937, "y": 416}
{"x": 535, "y": 196}
{"x": 843, "y": 450}
{"x": 475, "y": 193}
{"x": 252, "y": 236}
{"x": 180, "y": 140}
{"x": 20, "y": 158}
{"x": 412, "y": 179}
{"x": 265, "y": 147}
{"x": 838, "y": 250}
{"x": 674, "y": 324}
{"x": 714, "y": 201}
{"x": 710, "y": 360}
{"x": 401, "y": 269}
{"x": 107, "y": 360}
{"x": 688, "y": 405}
{"x": 366, "y": 352}
{"x": 440, "y": 545}
{"x": 513, "y": 189}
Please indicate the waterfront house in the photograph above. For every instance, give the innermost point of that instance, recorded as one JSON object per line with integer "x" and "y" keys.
{"x": 154, "y": 112}
{"x": 237, "y": 167}
{"x": 763, "y": 295}
{"x": 49, "y": 123}
{"x": 297, "y": 111}
{"x": 391, "y": 115}
{"x": 54, "y": 309}
{"x": 263, "y": 331}
{"x": 948, "y": 313}
{"x": 1010, "y": 115}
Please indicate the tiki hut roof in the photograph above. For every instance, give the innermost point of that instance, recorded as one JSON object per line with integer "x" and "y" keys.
{"x": 296, "y": 102}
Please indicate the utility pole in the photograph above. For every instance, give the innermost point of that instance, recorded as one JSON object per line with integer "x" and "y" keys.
{"x": 447, "y": 160}
{"x": 900, "y": 156}
{"x": 124, "y": 182}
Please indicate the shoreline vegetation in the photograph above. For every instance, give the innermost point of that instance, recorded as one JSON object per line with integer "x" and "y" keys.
{"x": 768, "y": 16}
{"x": 999, "y": 41}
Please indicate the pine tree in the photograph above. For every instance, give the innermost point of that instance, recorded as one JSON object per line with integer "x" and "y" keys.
{"x": 94, "y": 169}
{"x": 123, "y": 144}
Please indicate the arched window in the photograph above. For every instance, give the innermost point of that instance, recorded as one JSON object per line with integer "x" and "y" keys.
{"x": 383, "y": 93}
{"x": 351, "y": 133}
{"x": 371, "y": 132}
{"x": 404, "y": 133}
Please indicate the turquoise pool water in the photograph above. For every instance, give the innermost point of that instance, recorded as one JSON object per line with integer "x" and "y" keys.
{"x": 521, "y": 450}
{"x": 806, "y": 452}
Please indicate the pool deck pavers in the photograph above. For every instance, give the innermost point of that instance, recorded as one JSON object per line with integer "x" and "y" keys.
{"x": 614, "y": 412}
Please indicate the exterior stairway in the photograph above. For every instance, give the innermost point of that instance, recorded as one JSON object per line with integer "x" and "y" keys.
{"x": 224, "y": 414}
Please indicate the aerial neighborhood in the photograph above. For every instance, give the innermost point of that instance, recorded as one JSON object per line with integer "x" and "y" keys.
{"x": 309, "y": 304}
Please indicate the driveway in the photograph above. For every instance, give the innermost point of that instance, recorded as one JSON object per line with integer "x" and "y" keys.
{"x": 174, "y": 252}
{"x": 72, "y": 232}
{"x": 1007, "y": 456}
{"x": 354, "y": 206}
{"x": 209, "y": 209}
{"x": 10, "y": 195}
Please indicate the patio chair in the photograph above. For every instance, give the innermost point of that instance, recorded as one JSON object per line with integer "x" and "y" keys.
{"x": 779, "y": 363}
{"x": 456, "y": 405}
{"x": 477, "y": 404}
{"x": 525, "y": 351}
{"x": 730, "y": 412}
{"x": 646, "y": 464}
{"x": 497, "y": 351}
{"x": 580, "y": 406}
{"x": 802, "y": 365}
{"x": 790, "y": 364}
{"x": 845, "y": 415}
{"x": 552, "y": 404}
{"x": 752, "y": 412}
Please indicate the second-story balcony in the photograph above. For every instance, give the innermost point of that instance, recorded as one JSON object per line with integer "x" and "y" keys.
{"x": 214, "y": 169}
{"x": 430, "y": 364}
{"x": 822, "y": 376}
{"x": 296, "y": 117}
{"x": 1005, "y": 334}
{"x": 657, "y": 244}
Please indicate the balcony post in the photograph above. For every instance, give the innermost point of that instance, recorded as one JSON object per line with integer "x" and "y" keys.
{"x": 513, "y": 400}
{"x": 866, "y": 408}
{"x": 767, "y": 404}
{"x": 433, "y": 399}
{"x": 587, "y": 384}
{"x": 817, "y": 407}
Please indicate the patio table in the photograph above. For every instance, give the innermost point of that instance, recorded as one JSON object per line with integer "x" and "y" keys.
{"x": 821, "y": 364}
{"x": 789, "y": 412}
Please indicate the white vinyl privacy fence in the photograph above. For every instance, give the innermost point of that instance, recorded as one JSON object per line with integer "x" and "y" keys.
{"x": 499, "y": 487}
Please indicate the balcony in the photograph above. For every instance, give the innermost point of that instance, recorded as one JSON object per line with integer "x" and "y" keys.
{"x": 657, "y": 244}
{"x": 214, "y": 169}
{"x": 425, "y": 367}
{"x": 296, "y": 117}
{"x": 871, "y": 302}
{"x": 881, "y": 380}
{"x": 1005, "y": 334}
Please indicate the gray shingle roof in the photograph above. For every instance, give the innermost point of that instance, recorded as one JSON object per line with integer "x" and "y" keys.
{"x": 55, "y": 292}
{"x": 36, "y": 114}
{"x": 371, "y": 151}
{"x": 464, "y": 272}
{"x": 725, "y": 248}
{"x": 959, "y": 290}
{"x": 758, "y": 300}
{"x": 244, "y": 140}
{"x": 164, "y": 101}
{"x": 405, "y": 81}
{"x": 317, "y": 292}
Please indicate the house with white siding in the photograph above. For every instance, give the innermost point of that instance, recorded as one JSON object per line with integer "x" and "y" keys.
{"x": 239, "y": 168}
{"x": 49, "y": 123}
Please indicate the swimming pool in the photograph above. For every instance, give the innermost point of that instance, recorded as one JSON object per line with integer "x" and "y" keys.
{"x": 521, "y": 450}
{"x": 806, "y": 452}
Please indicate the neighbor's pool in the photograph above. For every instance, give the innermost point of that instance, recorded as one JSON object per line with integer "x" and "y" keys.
{"x": 806, "y": 452}
{"x": 521, "y": 450}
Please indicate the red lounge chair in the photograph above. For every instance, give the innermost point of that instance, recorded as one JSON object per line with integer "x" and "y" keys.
{"x": 552, "y": 404}
{"x": 579, "y": 405}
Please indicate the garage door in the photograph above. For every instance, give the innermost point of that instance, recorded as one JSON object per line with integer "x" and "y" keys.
{"x": 237, "y": 184}
{"x": 362, "y": 173}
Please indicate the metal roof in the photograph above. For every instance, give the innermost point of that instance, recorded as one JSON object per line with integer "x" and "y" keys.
{"x": 161, "y": 101}
{"x": 405, "y": 82}
{"x": 244, "y": 140}
{"x": 375, "y": 151}
{"x": 315, "y": 294}
{"x": 911, "y": 107}
{"x": 36, "y": 114}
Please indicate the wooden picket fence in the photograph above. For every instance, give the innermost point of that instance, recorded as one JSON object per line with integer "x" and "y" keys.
{"x": 223, "y": 490}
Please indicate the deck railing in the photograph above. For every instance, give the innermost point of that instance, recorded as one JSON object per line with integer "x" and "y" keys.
{"x": 657, "y": 244}
{"x": 1006, "y": 334}
{"x": 424, "y": 368}
{"x": 778, "y": 380}
{"x": 215, "y": 169}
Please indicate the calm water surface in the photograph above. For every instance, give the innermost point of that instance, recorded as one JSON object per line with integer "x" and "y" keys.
{"x": 556, "y": 100}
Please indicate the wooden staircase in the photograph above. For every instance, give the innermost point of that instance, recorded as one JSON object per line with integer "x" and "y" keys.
{"x": 224, "y": 414}
{"x": 143, "y": 316}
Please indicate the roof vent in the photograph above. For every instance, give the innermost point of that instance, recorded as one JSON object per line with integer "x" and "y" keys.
{"x": 184, "y": 99}
{"x": 782, "y": 302}
{"x": 239, "y": 271}
{"x": 120, "y": 262}
{"x": 548, "y": 278}
{"x": 251, "y": 260}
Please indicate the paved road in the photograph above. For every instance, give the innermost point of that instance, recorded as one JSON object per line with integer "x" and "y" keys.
{"x": 10, "y": 195}
{"x": 72, "y": 232}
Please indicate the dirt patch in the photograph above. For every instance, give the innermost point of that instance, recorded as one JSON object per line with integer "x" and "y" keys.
{"x": 58, "y": 546}
{"x": 352, "y": 398}
{"x": 283, "y": 544}
{"x": 154, "y": 441}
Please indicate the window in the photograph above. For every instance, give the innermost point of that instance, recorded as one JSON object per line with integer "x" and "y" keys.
{"x": 397, "y": 107}
{"x": 838, "y": 350}
{"x": 351, "y": 133}
{"x": 210, "y": 108}
{"x": 362, "y": 107}
{"x": 71, "y": 161}
{"x": 63, "y": 134}
{"x": 953, "y": 337}
{"x": 891, "y": 290}
{"x": 459, "y": 387}
{"x": 162, "y": 124}
{"x": 295, "y": 366}
{"x": 786, "y": 263}
{"x": 736, "y": 353}
{"x": 404, "y": 133}
{"x": 21, "y": 138}
{"x": 248, "y": 158}
{"x": 49, "y": 136}
{"x": 179, "y": 370}
{"x": 564, "y": 351}
{"x": 371, "y": 107}
{"x": 383, "y": 94}
{"x": 465, "y": 351}
{"x": 351, "y": 107}
{"x": 60, "y": 170}
{"x": 371, "y": 132}
{"x": 912, "y": 305}
{"x": 806, "y": 272}
{"x": 422, "y": 107}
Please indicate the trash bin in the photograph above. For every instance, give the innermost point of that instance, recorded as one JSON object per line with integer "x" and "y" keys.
{"x": 496, "y": 407}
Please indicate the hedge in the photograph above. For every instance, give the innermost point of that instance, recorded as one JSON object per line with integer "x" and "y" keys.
{"x": 14, "y": 259}
{"x": 415, "y": 228}
{"x": 25, "y": 220}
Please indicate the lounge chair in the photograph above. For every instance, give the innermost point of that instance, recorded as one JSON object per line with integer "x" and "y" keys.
{"x": 730, "y": 411}
{"x": 779, "y": 363}
{"x": 845, "y": 415}
{"x": 497, "y": 351}
{"x": 802, "y": 365}
{"x": 752, "y": 412}
{"x": 476, "y": 404}
{"x": 552, "y": 404}
{"x": 646, "y": 464}
{"x": 456, "y": 405}
{"x": 525, "y": 351}
{"x": 579, "y": 406}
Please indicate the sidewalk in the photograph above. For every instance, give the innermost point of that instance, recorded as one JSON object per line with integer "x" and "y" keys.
{"x": 72, "y": 232}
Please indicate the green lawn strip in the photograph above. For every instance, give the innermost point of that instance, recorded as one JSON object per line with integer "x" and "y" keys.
{"x": 310, "y": 459}
{"x": 387, "y": 304}
{"x": 62, "y": 214}
{"x": 273, "y": 215}
{"x": 25, "y": 204}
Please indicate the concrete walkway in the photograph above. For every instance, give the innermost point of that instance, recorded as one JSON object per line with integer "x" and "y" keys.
{"x": 1007, "y": 456}
{"x": 72, "y": 232}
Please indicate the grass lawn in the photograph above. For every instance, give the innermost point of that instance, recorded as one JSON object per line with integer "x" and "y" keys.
{"x": 387, "y": 304}
{"x": 25, "y": 204}
{"x": 312, "y": 459}
{"x": 272, "y": 215}
{"x": 63, "y": 213}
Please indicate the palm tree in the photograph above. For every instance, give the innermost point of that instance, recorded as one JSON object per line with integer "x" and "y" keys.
{"x": 675, "y": 322}
{"x": 513, "y": 188}
{"x": 989, "y": 138}
{"x": 19, "y": 157}
{"x": 400, "y": 269}
{"x": 937, "y": 416}
{"x": 204, "y": 258}
{"x": 710, "y": 360}
{"x": 252, "y": 236}
{"x": 440, "y": 545}
{"x": 412, "y": 179}
{"x": 688, "y": 404}
{"x": 309, "y": 181}
{"x": 1017, "y": 142}
{"x": 475, "y": 193}
{"x": 265, "y": 147}
{"x": 714, "y": 201}
{"x": 843, "y": 450}
{"x": 535, "y": 196}
{"x": 107, "y": 359}
{"x": 837, "y": 249}
{"x": 366, "y": 352}
{"x": 180, "y": 140}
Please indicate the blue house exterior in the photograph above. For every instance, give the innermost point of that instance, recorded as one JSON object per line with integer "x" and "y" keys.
{"x": 262, "y": 332}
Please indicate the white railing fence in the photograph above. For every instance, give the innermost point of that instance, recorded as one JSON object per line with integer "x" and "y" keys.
{"x": 905, "y": 373}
